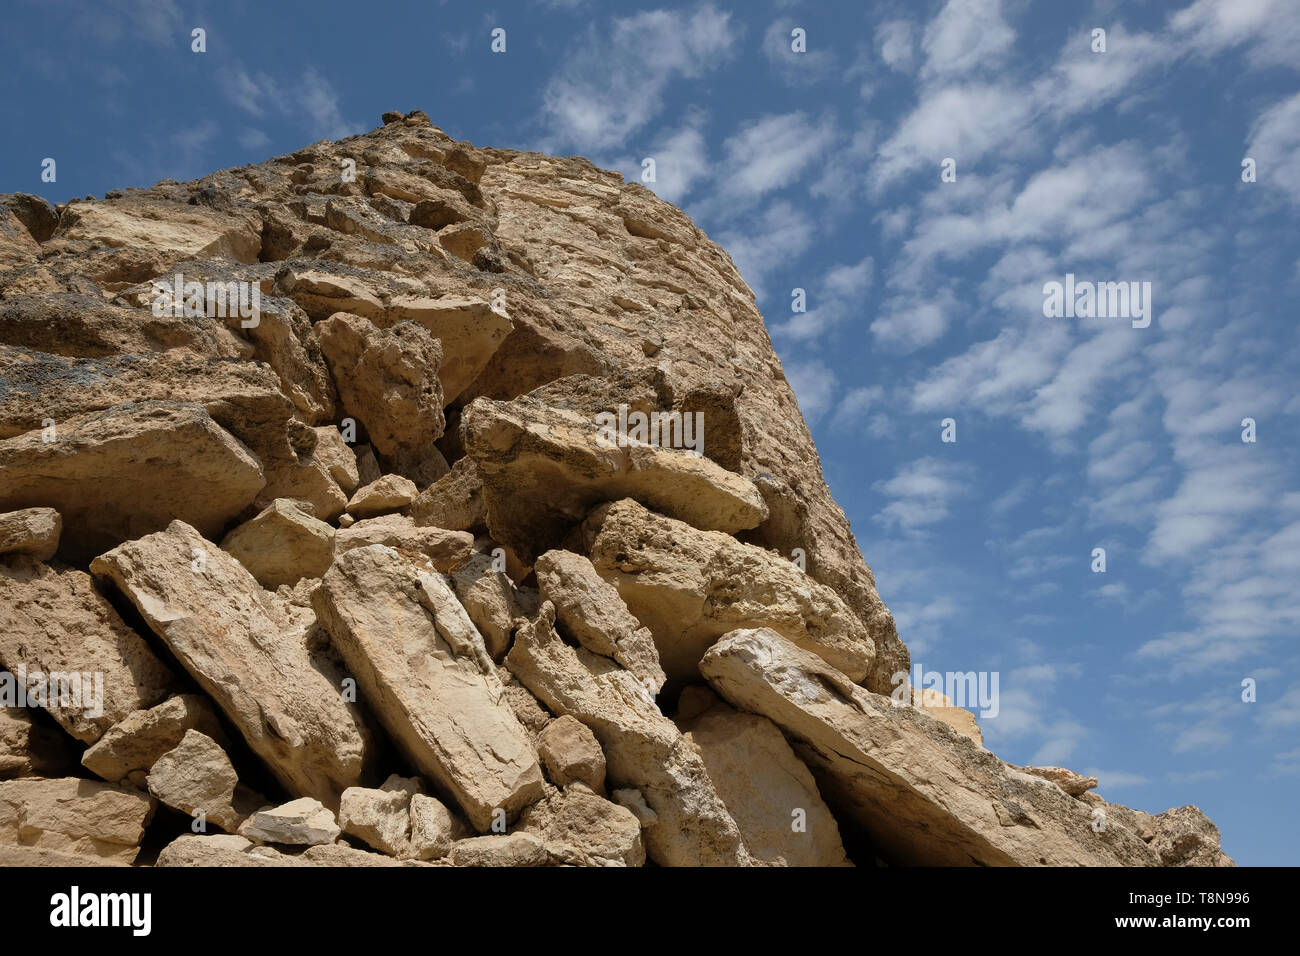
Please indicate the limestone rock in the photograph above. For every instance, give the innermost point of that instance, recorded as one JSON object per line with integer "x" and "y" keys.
{"x": 421, "y": 671}
{"x": 239, "y": 643}
{"x": 301, "y": 822}
{"x": 580, "y": 828}
{"x": 433, "y": 828}
{"x": 492, "y": 601}
{"x": 572, "y": 754}
{"x": 136, "y": 742}
{"x": 689, "y": 587}
{"x": 33, "y": 532}
{"x": 1186, "y": 837}
{"x": 70, "y": 815}
{"x": 30, "y": 747}
{"x": 454, "y": 501}
{"x": 446, "y": 549}
{"x": 513, "y": 849}
{"x": 1074, "y": 784}
{"x": 643, "y": 748}
{"x": 590, "y": 610}
{"x": 380, "y": 818}
{"x": 938, "y": 705}
{"x": 197, "y": 776}
{"x": 387, "y": 378}
{"x": 130, "y": 470}
{"x": 926, "y": 794}
{"x": 767, "y": 789}
{"x": 389, "y": 493}
{"x": 178, "y": 231}
{"x": 281, "y": 545}
{"x": 54, "y": 622}
{"x": 337, "y": 457}
{"x": 544, "y": 468}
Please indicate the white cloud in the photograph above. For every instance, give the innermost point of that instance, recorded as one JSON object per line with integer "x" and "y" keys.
{"x": 1275, "y": 147}
{"x": 814, "y": 387}
{"x": 815, "y": 63}
{"x": 896, "y": 45}
{"x": 922, "y": 491}
{"x": 966, "y": 35}
{"x": 772, "y": 237}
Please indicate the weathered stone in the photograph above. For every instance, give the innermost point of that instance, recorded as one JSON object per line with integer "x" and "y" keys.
{"x": 689, "y": 587}
{"x": 580, "y": 828}
{"x": 389, "y": 493}
{"x": 30, "y": 747}
{"x": 70, "y": 815}
{"x": 492, "y": 601}
{"x": 301, "y": 822}
{"x": 197, "y": 777}
{"x": 454, "y": 501}
{"x": 137, "y": 741}
{"x": 513, "y": 849}
{"x": 469, "y": 329}
{"x": 179, "y": 231}
{"x": 337, "y": 457}
{"x": 1074, "y": 784}
{"x": 33, "y": 532}
{"x": 643, "y": 748}
{"x": 433, "y": 828}
{"x": 572, "y": 754}
{"x": 446, "y": 549}
{"x": 129, "y": 470}
{"x": 767, "y": 789}
{"x": 281, "y": 545}
{"x": 387, "y": 378}
{"x": 57, "y": 630}
{"x": 1186, "y": 837}
{"x": 379, "y": 818}
{"x": 544, "y": 468}
{"x": 423, "y": 670}
{"x": 591, "y": 611}
{"x": 925, "y": 794}
{"x": 239, "y": 642}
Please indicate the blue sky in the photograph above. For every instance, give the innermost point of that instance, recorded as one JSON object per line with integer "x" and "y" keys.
{"x": 821, "y": 171}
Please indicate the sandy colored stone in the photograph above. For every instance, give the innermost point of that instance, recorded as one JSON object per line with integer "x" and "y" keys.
{"x": 179, "y": 231}
{"x": 1184, "y": 836}
{"x": 512, "y": 849}
{"x": 580, "y": 828}
{"x": 30, "y": 747}
{"x": 422, "y": 669}
{"x": 1075, "y": 784}
{"x": 198, "y": 776}
{"x": 689, "y": 587}
{"x": 468, "y": 328}
{"x": 767, "y": 789}
{"x": 590, "y": 610}
{"x": 54, "y": 621}
{"x": 137, "y": 741}
{"x": 643, "y": 748}
{"x": 492, "y": 600}
{"x": 433, "y": 828}
{"x": 543, "y": 469}
{"x": 338, "y": 458}
{"x": 387, "y": 379}
{"x": 389, "y": 493}
{"x": 379, "y": 818}
{"x": 71, "y": 815}
{"x": 129, "y": 470}
{"x": 926, "y": 794}
{"x": 454, "y": 501}
{"x": 33, "y": 532}
{"x": 446, "y": 549}
{"x": 938, "y": 705}
{"x": 301, "y": 822}
{"x": 571, "y": 754}
{"x": 281, "y": 545}
{"x": 239, "y": 642}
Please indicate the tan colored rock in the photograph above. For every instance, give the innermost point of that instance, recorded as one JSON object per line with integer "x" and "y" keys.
{"x": 767, "y": 789}
{"x": 925, "y": 794}
{"x": 446, "y": 549}
{"x": 580, "y": 828}
{"x": 1074, "y": 784}
{"x": 367, "y": 466}
{"x": 230, "y": 850}
{"x": 387, "y": 379}
{"x": 643, "y": 748}
{"x": 301, "y": 822}
{"x": 433, "y": 828}
{"x": 136, "y": 742}
{"x": 419, "y": 664}
{"x": 454, "y": 501}
{"x": 513, "y": 849}
{"x": 303, "y": 478}
{"x": 178, "y": 231}
{"x": 544, "y": 468}
{"x": 469, "y": 329}
{"x": 239, "y": 642}
{"x": 939, "y": 705}
{"x": 197, "y": 777}
{"x": 33, "y": 532}
{"x": 492, "y": 601}
{"x": 28, "y": 747}
{"x": 282, "y": 545}
{"x": 1186, "y": 837}
{"x": 571, "y": 754}
{"x": 379, "y": 818}
{"x": 591, "y": 611}
{"x": 58, "y": 633}
{"x": 130, "y": 470}
{"x": 389, "y": 493}
{"x": 70, "y": 815}
{"x": 338, "y": 458}
{"x": 689, "y": 587}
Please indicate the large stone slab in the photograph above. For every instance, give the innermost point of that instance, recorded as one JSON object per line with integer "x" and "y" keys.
{"x": 74, "y": 816}
{"x": 240, "y": 644}
{"x": 926, "y": 794}
{"x": 423, "y": 670}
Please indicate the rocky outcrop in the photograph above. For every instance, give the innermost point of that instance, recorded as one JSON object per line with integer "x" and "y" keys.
{"x": 503, "y": 469}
